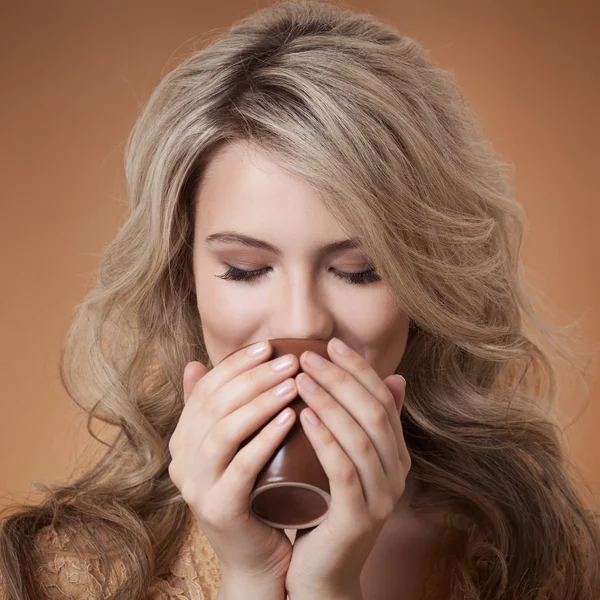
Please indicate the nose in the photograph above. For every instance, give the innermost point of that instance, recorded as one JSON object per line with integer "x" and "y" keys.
{"x": 302, "y": 310}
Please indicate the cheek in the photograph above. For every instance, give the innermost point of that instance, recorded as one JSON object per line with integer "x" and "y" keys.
{"x": 380, "y": 329}
{"x": 228, "y": 317}
{"x": 374, "y": 318}
{"x": 397, "y": 337}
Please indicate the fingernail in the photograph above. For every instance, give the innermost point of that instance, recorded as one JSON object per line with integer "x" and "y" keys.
{"x": 283, "y": 389}
{"x": 285, "y": 416}
{"x": 257, "y": 348}
{"x": 283, "y": 362}
{"x": 339, "y": 346}
{"x": 314, "y": 360}
{"x": 308, "y": 382}
{"x": 311, "y": 416}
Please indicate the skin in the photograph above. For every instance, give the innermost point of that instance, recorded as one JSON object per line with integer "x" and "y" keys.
{"x": 302, "y": 296}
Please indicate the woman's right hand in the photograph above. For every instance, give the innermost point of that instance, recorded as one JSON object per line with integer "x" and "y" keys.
{"x": 223, "y": 407}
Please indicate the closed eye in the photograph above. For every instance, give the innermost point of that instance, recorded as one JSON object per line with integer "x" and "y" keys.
{"x": 364, "y": 277}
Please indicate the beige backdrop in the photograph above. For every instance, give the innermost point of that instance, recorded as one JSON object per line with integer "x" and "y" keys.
{"x": 74, "y": 76}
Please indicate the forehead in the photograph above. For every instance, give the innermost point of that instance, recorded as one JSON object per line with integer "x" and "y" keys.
{"x": 244, "y": 189}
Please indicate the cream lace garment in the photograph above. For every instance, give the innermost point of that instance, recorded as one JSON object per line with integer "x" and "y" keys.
{"x": 195, "y": 575}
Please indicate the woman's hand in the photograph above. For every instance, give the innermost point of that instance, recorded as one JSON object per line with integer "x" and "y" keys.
{"x": 215, "y": 474}
{"x": 360, "y": 444}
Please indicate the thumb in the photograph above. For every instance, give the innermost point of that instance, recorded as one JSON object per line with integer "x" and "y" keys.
{"x": 194, "y": 371}
{"x": 397, "y": 385}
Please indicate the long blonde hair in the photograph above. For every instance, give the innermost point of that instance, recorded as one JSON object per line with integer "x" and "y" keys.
{"x": 354, "y": 107}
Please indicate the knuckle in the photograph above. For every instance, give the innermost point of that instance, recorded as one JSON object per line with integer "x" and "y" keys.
{"x": 377, "y": 416}
{"x": 214, "y": 406}
{"x": 361, "y": 366}
{"x": 399, "y": 487}
{"x": 189, "y": 492}
{"x": 199, "y": 394}
{"x": 364, "y": 445}
{"x": 240, "y": 466}
{"x": 218, "y": 437}
{"x": 384, "y": 510}
{"x": 199, "y": 389}
{"x": 211, "y": 408}
{"x": 346, "y": 473}
{"x": 255, "y": 408}
{"x": 341, "y": 377}
{"x": 329, "y": 444}
{"x": 388, "y": 402}
{"x": 323, "y": 405}
{"x": 256, "y": 377}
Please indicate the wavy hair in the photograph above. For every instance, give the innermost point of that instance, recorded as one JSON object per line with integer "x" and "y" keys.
{"x": 355, "y": 108}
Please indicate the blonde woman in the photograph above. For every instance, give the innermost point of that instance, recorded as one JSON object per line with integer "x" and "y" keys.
{"x": 311, "y": 174}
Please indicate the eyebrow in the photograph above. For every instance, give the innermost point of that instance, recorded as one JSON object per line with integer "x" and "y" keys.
{"x": 251, "y": 242}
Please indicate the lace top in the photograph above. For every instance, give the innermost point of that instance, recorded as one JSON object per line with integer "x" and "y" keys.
{"x": 195, "y": 575}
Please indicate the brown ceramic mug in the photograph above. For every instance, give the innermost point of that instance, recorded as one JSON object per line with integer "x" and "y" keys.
{"x": 292, "y": 489}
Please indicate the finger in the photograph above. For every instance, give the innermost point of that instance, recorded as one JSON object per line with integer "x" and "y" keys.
{"x": 397, "y": 385}
{"x": 235, "y": 364}
{"x": 236, "y": 429}
{"x": 193, "y": 372}
{"x": 353, "y": 440}
{"x": 370, "y": 416}
{"x": 248, "y": 385}
{"x": 239, "y": 478}
{"x": 364, "y": 373}
{"x": 347, "y": 497}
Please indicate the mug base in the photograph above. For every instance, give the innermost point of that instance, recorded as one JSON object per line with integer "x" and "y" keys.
{"x": 290, "y": 505}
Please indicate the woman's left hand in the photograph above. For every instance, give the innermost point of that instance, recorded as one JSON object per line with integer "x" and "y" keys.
{"x": 360, "y": 444}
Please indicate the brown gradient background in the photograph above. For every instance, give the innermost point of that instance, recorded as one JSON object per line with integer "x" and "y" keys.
{"x": 74, "y": 78}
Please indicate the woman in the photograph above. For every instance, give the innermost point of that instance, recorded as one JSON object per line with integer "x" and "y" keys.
{"x": 304, "y": 126}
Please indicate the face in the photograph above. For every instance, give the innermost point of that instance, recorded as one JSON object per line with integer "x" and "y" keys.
{"x": 299, "y": 288}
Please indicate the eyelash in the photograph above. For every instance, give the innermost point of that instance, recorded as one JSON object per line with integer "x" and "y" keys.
{"x": 234, "y": 274}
